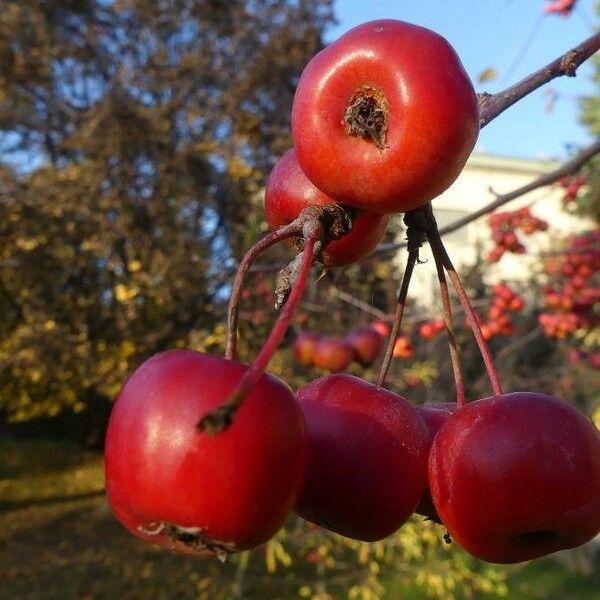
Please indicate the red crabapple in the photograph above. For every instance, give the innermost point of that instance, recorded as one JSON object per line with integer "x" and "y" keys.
{"x": 517, "y": 476}
{"x": 170, "y": 484}
{"x": 367, "y": 457}
{"x": 289, "y": 191}
{"x": 385, "y": 117}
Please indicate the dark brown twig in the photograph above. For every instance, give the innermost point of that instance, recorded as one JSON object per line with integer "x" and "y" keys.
{"x": 571, "y": 166}
{"x": 492, "y": 105}
{"x": 416, "y": 233}
{"x": 332, "y": 220}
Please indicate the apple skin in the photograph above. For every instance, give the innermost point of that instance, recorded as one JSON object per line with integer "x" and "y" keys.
{"x": 367, "y": 457}
{"x": 434, "y": 415}
{"x": 432, "y": 124}
{"x": 366, "y": 343}
{"x": 289, "y": 191}
{"x": 517, "y": 476}
{"x": 333, "y": 354}
{"x": 234, "y": 489}
{"x": 304, "y": 347}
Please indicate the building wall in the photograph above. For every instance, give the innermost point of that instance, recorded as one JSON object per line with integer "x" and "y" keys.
{"x": 483, "y": 177}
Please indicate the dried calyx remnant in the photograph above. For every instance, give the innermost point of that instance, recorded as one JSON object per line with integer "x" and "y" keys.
{"x": 335, "y": 222}
{"x": 191, "y": 537}
{"x": 367, "y": 115}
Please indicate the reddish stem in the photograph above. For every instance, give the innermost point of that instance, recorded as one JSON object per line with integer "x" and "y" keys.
{"x": 447, "y": 310}
{"x": 285, "y": 232}
{"x": 439, "y": 251}
{"x": 389, "y": 351}
{"x": 220, "y": 418}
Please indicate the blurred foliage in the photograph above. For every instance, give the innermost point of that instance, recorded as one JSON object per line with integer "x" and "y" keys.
{"x": 134, "y": 135}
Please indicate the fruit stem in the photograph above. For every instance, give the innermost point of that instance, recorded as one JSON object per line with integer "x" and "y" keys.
{"x": 285, "y": 232}
{"x": 413, "y": 256}
{"x": 333, "y": 222}
{"x": 219, "y": 419}
{"x": 439, "y": 251}
{"x": 447, "y": 310}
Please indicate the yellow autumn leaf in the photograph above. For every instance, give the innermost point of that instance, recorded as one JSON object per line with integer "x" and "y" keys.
{"x": 134, "y": 265}
{"x": 124, "y": 293}
{"x": 487, "y": 75}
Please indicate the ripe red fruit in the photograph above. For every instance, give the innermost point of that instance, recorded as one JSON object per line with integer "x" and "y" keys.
{"x": 517, "y": 476}
{"x": 381, "y": 327}
{"x": 367, "y": 456}
{"x": 486, "y": 331}
{"x": 289, "y": 191}
{"x": 403, "y": 347}
{"x": 333, "y": 355}
{"x": 516, "y": 304}
{"x": 385, "y": 117}
{"x": 172, "y": 485}
{"x": 366, "y": 344}
{"x": 426, "y": 331}
{"x": 304, "y": 347}
{"x": 594, "y": 360}
{"x": 434, "y": 415}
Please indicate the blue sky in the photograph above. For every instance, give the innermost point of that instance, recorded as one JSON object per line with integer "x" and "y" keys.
{"x": 515, "y": 38}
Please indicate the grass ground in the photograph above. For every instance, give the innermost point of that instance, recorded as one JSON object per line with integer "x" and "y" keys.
{"x": 58, "y": 540}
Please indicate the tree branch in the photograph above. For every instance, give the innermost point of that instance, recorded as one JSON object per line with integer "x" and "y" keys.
{"x": 491, "y": 105}
{"x": 566, "y": 168}
{"x": 364, "y": 306}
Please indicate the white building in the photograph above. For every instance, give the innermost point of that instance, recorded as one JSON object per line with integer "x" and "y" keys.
{"x": 484, "y": 177}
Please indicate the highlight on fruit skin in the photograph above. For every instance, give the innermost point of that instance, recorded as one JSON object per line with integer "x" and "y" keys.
{"x": 517, "y": 476}
{"x": 172, "y": 485}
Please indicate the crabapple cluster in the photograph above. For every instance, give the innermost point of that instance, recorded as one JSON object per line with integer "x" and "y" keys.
{"x": 505, "y": 225}
{"x": 206, "y": 455}
{"x": 499, "y": 322}
{"x": 363, "y": 345}
{"x": 358, "y": 121}
{"x": 573, "y": 290}
{"x": 572, "y": 187}
{"x": 430, "y": 329}
{"x": 329, "y": 353}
